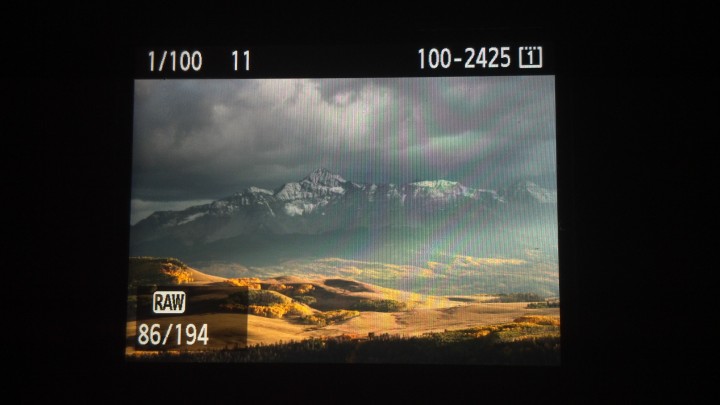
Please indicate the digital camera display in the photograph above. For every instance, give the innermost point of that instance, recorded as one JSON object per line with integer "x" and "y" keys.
{"x": 409, "y": 220}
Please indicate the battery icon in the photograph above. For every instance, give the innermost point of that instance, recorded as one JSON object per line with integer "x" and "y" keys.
{"x": 530, "y": 57}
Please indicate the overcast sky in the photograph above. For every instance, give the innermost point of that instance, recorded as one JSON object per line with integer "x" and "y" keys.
{"x": 200, "y": 140}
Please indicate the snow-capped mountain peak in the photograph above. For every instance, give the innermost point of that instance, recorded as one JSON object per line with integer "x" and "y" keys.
{"x": 528, "y": 191}
{"x": 258, "y": 190}
{"x": 439, "y": 184}
{"x": 324, "y": 177}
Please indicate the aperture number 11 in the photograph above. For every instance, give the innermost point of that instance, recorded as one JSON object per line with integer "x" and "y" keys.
{"x": 237, "y": 63}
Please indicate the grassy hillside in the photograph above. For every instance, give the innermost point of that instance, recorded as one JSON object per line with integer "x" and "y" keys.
{"x": 147, "y": 270}
{"x": 320, "y": 302}
{"x": 157, "y": 270}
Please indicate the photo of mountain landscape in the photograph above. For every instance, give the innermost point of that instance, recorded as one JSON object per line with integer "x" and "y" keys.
{"x": 358, "y": 220}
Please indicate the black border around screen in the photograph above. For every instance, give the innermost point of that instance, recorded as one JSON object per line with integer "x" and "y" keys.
{"x": 605, "y": 112}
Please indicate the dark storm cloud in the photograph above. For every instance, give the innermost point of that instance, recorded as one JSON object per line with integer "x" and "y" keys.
{"x": 205, "y": 139}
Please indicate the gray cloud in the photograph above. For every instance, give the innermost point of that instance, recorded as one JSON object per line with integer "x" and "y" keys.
{"x": 205, "y": 139}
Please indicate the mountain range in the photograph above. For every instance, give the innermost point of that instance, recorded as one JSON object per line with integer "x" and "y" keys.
{"x": 323, "y": 206}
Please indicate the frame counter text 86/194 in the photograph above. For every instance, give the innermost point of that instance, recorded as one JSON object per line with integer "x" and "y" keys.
{"x": 158, "y": 335}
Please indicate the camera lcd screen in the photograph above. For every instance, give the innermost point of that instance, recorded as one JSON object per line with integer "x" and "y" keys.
{"x": 407, "y": 220}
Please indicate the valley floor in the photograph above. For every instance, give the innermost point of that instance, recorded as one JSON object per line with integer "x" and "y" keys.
{"x": 226, "y": 329}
